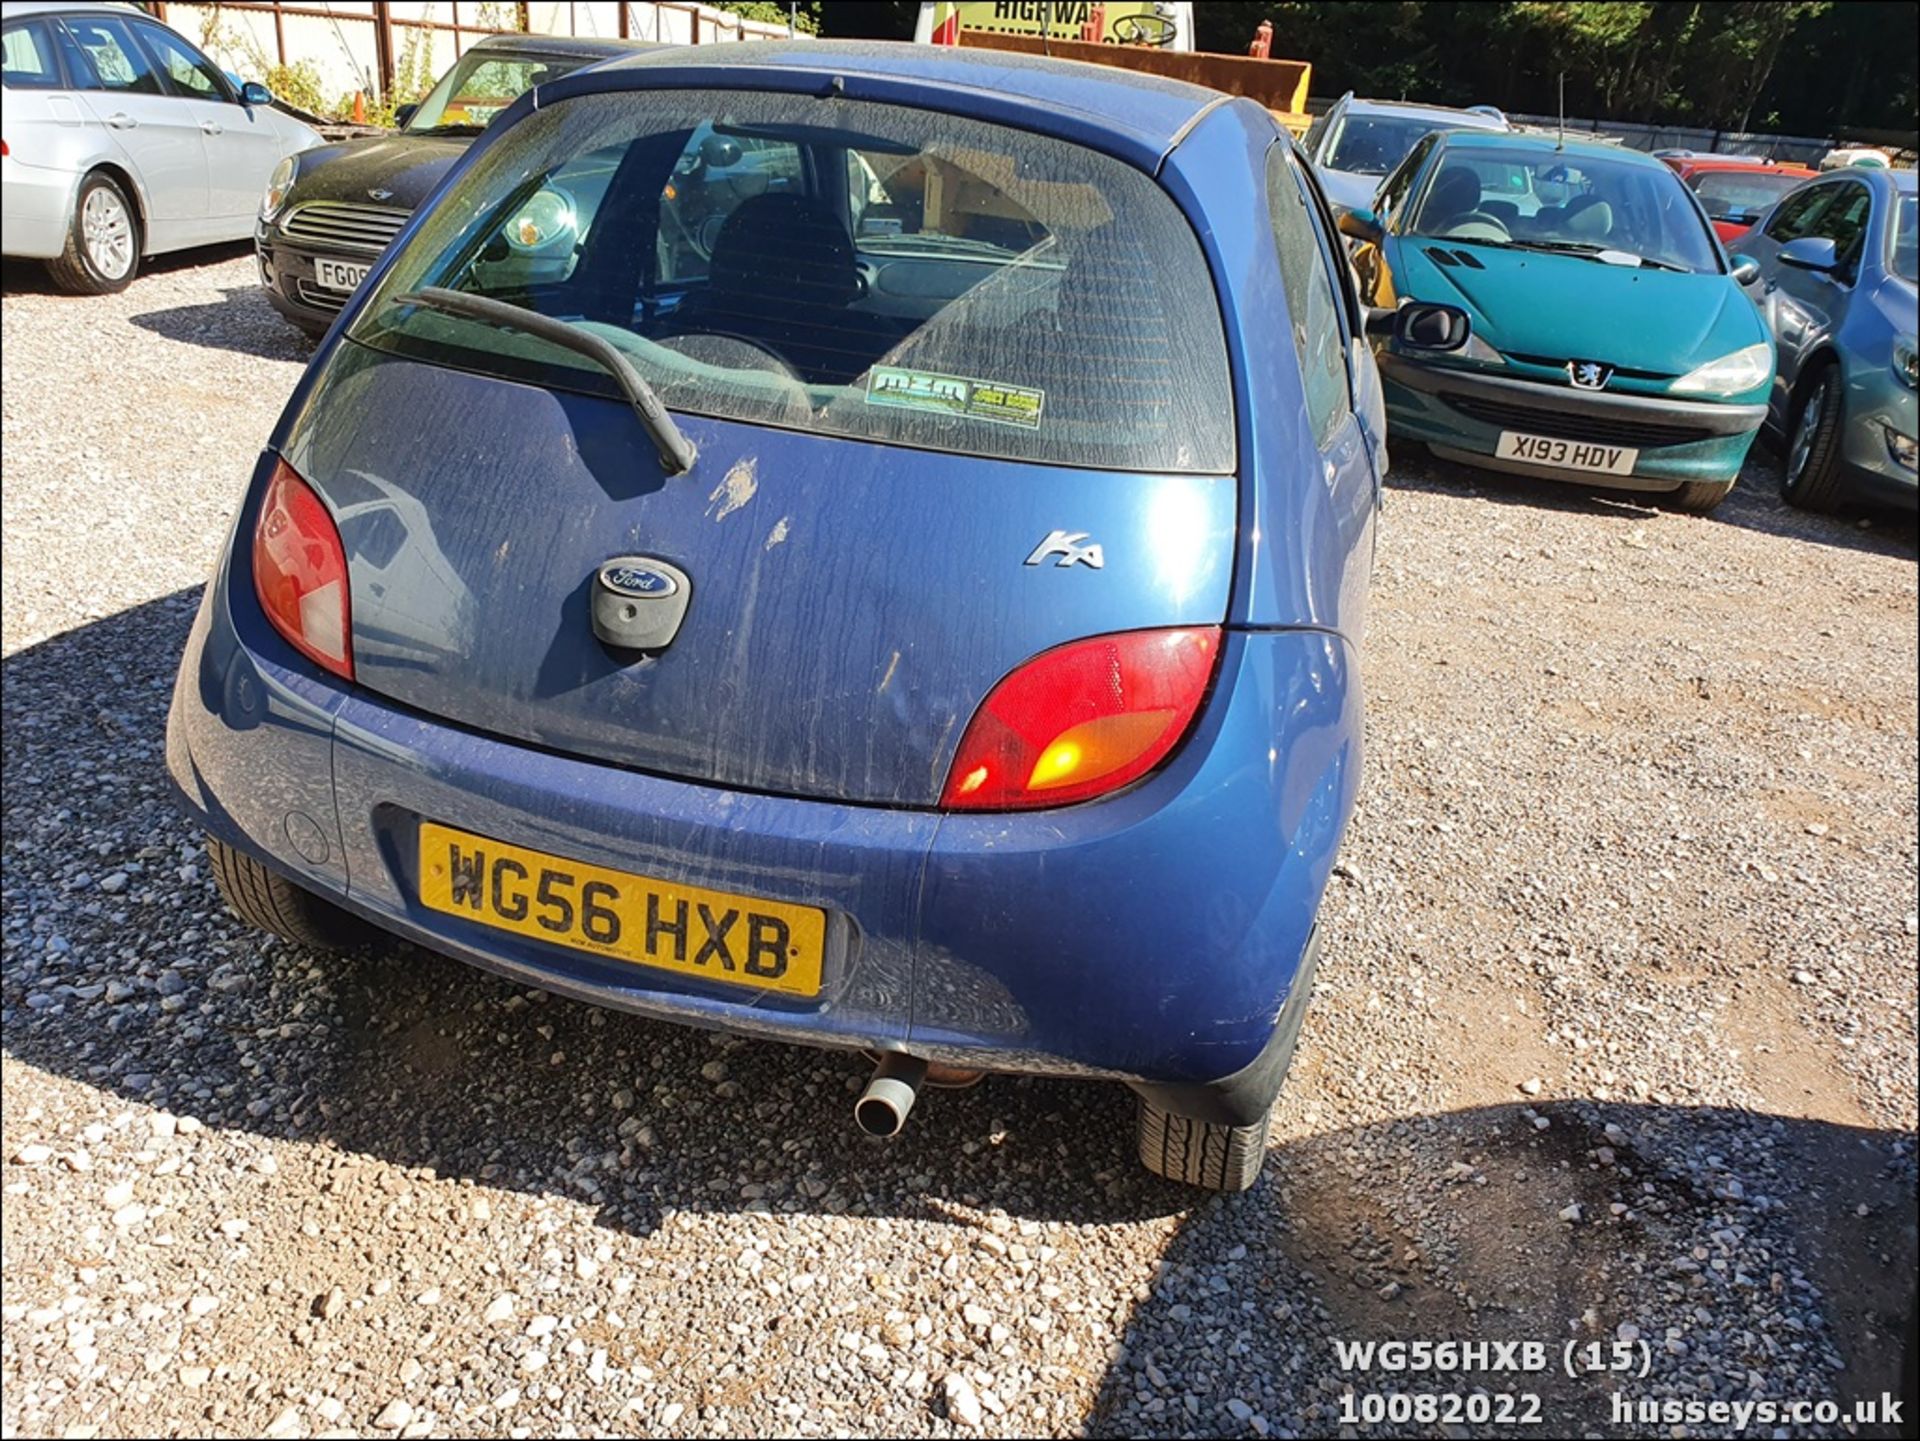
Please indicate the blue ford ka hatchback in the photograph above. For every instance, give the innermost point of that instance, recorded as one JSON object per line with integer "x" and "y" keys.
{"x": 852, "y": 545}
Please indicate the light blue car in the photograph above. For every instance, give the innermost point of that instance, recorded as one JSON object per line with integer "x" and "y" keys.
{"x": 1837, "y": 292}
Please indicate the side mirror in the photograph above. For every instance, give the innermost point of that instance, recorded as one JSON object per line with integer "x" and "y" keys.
{"x": 1361, "y": 224}
{"x": 1811, "y": 252}
{"x": 1421, "y": 325}
{"x": 1746, "y": 269}
{"x": 254, "y": 93}
{"x": 402, "y": 114}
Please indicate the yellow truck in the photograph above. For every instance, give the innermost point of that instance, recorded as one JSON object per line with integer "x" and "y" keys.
{"x": 1135, "y": 34}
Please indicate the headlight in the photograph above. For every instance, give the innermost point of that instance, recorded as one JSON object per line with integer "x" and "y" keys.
{"x": 1478, "y": 349}
{"x": 1906, "y": 361}
{"x": 545, "y": 219}
{"x": 278, "y": 184}
{"x": 1730, "y": 374}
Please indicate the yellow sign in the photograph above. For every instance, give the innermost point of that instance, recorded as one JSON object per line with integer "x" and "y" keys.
{"x": 1109, "y": 22}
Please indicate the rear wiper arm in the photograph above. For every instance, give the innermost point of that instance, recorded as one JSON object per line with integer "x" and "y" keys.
{"x": 676, "y": 451}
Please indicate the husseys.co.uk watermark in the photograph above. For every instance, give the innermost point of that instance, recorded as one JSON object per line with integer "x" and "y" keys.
{"x": 1883, "y": 1410}
{"x": 1628, "y": 1360}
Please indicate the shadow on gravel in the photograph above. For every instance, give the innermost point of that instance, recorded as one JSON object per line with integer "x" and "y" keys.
{"x": 1754, "y": 505}
{"x": 29, "y": 277}
{"x": 1783, "y": 1245}
{"x": 1776, "y": 1247}
{"x": 244, "y": 322}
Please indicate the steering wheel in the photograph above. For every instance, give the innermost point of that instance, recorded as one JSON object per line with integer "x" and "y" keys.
{"x": 1477, "y": 225}
{"x": 1140, "y": 28}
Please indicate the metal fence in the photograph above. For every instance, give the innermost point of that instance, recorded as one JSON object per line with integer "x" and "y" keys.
{"x": 368, "y": 46}
{"x": 1794, "y": 149}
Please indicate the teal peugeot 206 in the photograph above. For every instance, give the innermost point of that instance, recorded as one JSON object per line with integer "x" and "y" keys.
{"x": 1613, "y": 342}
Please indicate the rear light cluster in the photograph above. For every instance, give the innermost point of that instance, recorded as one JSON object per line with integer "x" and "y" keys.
{"x": 1082, "y": 720}
{"x": 300, "y": 572}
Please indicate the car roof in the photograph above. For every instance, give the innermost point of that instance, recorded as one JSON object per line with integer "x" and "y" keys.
{"x": 1150, "y": 110}
{"x": 1413, "y": 109}
{"x": 1900, "y": 182}
{"x": 1721, "y": 162}
{"x": 1528, "y": 140}
{"x": 592, "y": 45}
{"x": 19, "y": 9}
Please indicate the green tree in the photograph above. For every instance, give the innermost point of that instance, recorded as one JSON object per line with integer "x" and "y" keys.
{"x": 803, "y": 16}
{"x": 1807, "y": 65}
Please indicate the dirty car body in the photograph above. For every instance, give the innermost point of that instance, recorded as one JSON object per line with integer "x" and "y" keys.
{"x": 1011, "y": 719}
{"x": 328, "y": 214}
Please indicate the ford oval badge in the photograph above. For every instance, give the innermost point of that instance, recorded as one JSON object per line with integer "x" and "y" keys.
{"x": 636, "y": 578}
{"x": 639, "y": 602}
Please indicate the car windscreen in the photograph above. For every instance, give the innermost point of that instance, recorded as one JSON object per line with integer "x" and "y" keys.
{"x": 1374, "y": 144}
{"x": 1739, "y": 196}
{"x": 835, "y": 266}
{"x": 1619, "y": 210}
{"x": 481, "y": 85}
{"x": 1900, "y": 238}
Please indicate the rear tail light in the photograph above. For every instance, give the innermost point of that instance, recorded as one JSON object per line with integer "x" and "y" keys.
{"x": 300, "y": 572}
{"x": 1082, "y": 720}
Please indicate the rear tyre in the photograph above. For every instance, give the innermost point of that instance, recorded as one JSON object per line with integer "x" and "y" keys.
{"x": 270, "y": 902}
{"x": 103, "y": 240}
{"x": 1700, "y": 496}
{"x": 1201, "y": 1153}
{"x": 1811, "y": 477}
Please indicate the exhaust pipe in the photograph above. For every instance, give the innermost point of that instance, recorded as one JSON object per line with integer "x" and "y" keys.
{"x": 882, "y": 1108}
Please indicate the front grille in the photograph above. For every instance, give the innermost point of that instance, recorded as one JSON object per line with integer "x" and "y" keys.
{"x": 333, "y": 222}
{"x": 1562, "y": 362}
{"x": 1571, "y": 425}
{"x": 318, "y": 296}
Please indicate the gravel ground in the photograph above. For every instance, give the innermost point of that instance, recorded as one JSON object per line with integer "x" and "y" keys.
{"x": 1614, "y": 1038}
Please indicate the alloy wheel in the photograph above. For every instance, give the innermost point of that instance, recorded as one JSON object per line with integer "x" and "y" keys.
{"x": 108, "y": 231}
{"x": 1810, "y": 412}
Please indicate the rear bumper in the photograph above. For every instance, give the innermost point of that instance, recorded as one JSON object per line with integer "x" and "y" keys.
{"x": 1156, "y": 937}
{"x": 1461, "y": 413}
{"x": 36, "y": 209}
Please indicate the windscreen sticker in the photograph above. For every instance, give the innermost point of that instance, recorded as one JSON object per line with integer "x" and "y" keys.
{"x": 956, "y": 395}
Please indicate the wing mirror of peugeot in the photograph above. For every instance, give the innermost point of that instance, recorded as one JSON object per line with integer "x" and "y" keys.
{"x": 1361, "y": 224}
{"x": 1746, "y": 269}
{"x": 254, "y": 93}
{"x": 1421, "y": 325}
{"x": 402, "y": 114}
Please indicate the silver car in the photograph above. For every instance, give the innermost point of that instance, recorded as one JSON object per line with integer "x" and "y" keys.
{"x": 1357, "y": 143}
{"x": 1837, "y": 290}
{"x": 123, "y": 140}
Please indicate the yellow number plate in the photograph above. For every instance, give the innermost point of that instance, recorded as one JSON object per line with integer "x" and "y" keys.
{"x": 692, "y": 932}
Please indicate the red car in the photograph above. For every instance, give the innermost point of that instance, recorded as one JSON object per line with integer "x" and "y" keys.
{"x": 1736, "y": 190}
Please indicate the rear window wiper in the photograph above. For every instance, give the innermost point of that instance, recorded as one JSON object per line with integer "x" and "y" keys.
{"x": 676, "y": 451}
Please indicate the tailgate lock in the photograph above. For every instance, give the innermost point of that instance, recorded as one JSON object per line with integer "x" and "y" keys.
{"x": 639, "y": 602}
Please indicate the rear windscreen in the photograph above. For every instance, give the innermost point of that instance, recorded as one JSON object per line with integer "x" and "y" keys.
{"x": 835, "y": 266}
